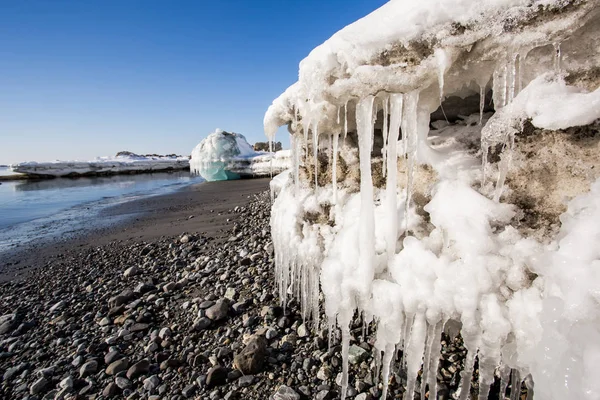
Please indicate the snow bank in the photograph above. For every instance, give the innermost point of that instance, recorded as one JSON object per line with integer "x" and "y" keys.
{"x": 103, "y": 166}
{"x": 223, "y": 155}
{"x": 403, "y": 227}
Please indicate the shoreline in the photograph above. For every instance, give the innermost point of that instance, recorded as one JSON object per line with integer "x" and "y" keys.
{"x": 144, "y": 219}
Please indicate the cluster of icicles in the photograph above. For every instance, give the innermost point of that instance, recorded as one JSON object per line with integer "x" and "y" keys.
{"x": 299, "y": 258}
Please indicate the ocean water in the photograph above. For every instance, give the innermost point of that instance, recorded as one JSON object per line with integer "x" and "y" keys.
{"x": 44, "y": 209}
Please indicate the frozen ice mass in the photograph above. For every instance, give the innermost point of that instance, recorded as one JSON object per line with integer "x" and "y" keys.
{"x": 445, "y": 178}
{"x": 120, "y": 164}
{"x": 224, "y": 156}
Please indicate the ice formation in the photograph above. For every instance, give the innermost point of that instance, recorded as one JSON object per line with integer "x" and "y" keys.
{"x": 406, "y": 226}
{"x": 223, "y": 155}
{"x": 103, "y": 166}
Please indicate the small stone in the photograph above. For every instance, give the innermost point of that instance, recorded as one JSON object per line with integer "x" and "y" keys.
{"x": 231, "y": 293}
{"x": 105, "y": 321}
{"x": 38, "y": 386}
{"x": 302, "y": 331}
{"x": 357, "y": 354}
{"x": 131, "y": 271}
{"x": 201, "y": 324}
{"x": 216, "y": 376}
{"x": 151, "y": 383}
{"x": 189, "y": 391}
{"x": 117, "y": 366}
{"x": 324, "y": 373}
{"x": 164, "y": 333}
{"x": 123, "y": 383}
{"x": 286, "y": 393}
{"x": 218, "y": 311}
{"x": 246, "y": 380}
{"x": 111, "y": 390}
{"x": 112, "y": 357}
{"x": 137, "y": 369}
{"x": 66, "y": 383}
{"x": 88, "y": 368}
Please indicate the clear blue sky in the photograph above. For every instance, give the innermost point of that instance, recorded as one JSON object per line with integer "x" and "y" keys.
{"x": 80, "y": 79}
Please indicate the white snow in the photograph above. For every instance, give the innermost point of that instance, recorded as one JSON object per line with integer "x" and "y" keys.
{"x": 223, "y": 155}
{"x": 522, "y": 305}
{"x": 102, "y": 165}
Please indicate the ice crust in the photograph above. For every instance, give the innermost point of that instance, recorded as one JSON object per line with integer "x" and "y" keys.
{"x": 102, "y": 165}
{"x": 223, "y": 156}
{"x": 526, "y": 309}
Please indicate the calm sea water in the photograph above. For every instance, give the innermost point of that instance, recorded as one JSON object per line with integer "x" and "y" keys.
{"x": 40, "y": 210}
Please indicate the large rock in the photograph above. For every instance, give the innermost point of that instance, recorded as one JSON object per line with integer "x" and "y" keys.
{"x": 251, "y": 359}
{"x": 218, "y": 311}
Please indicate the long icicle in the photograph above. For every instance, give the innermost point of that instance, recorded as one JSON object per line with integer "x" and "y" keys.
{"x": 396, "y": 101}
{"x": 336, "y": 137}
{"x": 385, "y": 134}
{"x": 316, "y": 153}
{"x": 409, "y": 138}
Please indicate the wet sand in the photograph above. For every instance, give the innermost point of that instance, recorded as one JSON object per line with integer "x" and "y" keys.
{"x": 204, "y": 208}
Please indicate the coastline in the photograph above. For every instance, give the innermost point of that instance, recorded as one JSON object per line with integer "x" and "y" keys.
{"x": 146, "y": 219}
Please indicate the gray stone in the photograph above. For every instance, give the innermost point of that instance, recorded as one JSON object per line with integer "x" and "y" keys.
{"x": 202, "y": 323}
{"x": 286, "y": 393}
{"x": 189, "y": 391}
{"x": 246, "y": 380}
{"x": 302, "y": 331}
{"x": 88, "y": 368}
{"x": 123, "y": 383}
{"x": 151, "y": 383}
{"x": 131, "y": 271}
{"x": 357, "y": 354}
{"x": 218, "y": 311}
{"x": 117, "y": 366}
{"x": 38, "y": 386}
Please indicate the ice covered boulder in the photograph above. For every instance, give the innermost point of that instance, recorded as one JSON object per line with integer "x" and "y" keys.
{"x": 446, "y": 177}
{"x": 227, "y": 155}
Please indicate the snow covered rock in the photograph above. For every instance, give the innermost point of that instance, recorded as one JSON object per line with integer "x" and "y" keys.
{"x": 487, "y": 221}
{"x": 120, "y": 164}
{"x": 224, "y": 155}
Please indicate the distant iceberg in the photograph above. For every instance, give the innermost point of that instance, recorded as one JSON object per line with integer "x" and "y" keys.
{"x": 227, "y": 155}
{"x": 123, "y": 163}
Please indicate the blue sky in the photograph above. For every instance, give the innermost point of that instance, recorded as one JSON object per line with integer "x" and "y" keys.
{"x": 80, "y": 79}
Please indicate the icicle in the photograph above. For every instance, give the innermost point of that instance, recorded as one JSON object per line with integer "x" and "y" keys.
{"x": 336, "y": 137}
{"x": 410, "y": 139}
{"x": 504, "y": 166}
{"x": 515, "y": 385}
{"x": 408, "y": 322}
{"x": 434, "y": 363}
{"x": 504, "y": 371}
{"x": 345, "y": 120}
{"x": 414, "y": 354}
{"x": 499, "y": 87}
{"x": 466, "y": 375}
{"x": 345, "y": 349}
{"x": 338, "y": 115}
{"x": 384, "y": 134}
{"x": 306, "y": 125}
{"x": 442, "y": 62}
{"x": 366, "y": 239}
{"x": 298, "y": 146}
{"x": 557, "y": 58}
{"x": 271, "y": 161}
{"x": 529, "y": 385}
{"x": 481, "y": 103}
{"x": 377, "y": 362}
{"x": 396, "y": 101}
{"x": 316, "y": 153}
{"x": 387, "y": 361}
{"x": 427, "y": 359}
{"x": 511, "y": 71}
